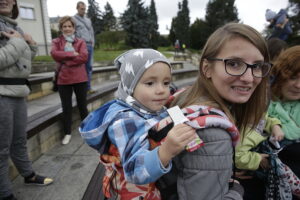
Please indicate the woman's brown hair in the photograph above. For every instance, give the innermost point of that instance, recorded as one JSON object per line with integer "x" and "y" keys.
{"x": 204, "y": 92}
{"x": 286, "y": 66}
{"x": 64, "y": 20}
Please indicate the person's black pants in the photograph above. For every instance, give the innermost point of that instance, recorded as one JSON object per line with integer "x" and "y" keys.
{"x": 290, "y": 155}
{"x": 65, "y": 93}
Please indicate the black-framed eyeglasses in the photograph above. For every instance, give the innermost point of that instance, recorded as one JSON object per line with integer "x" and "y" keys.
{"x": 236, "y": 67}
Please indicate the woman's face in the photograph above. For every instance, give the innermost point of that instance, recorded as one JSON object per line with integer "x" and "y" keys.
{"x": 6, "y": 7}
{"x": 290, "y": 90}
{"x": 68, "y": 28}
{"x": 234, "y": 89}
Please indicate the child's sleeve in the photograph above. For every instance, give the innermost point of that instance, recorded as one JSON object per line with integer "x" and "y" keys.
{"x": 244, "y": 157}
{"x": 141, "y": 165}
{"x": 270, "y": 122}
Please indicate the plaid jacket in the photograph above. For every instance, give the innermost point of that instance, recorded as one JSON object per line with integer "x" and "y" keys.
{"x": 127, "y": 129}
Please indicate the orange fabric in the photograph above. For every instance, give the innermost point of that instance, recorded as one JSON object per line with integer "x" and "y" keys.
{"x": 114, "y": 181}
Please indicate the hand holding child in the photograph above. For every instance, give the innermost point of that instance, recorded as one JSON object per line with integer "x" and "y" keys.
{"x": 264, "y": 163}
{"x": 176, "y": 140}
{"x": 277, "y": 132}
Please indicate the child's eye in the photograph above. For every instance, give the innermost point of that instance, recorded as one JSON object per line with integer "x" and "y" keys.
{"x": 149, "y": 83}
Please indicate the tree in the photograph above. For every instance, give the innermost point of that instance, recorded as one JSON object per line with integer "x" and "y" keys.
{"x": 294, "y": 8}
{"x": 109, "y": 20}
{"x": 154, "y": 35}
{"x": 199, "y": 34}
{"x": 136, "y": 22}
{"x": 180, "y": 24}
{"x": 172, "y": 34}
{"x": 94, "y": 14}
{"x": 220, "y": 12}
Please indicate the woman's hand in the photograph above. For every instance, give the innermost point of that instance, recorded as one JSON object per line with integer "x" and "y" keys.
{"x": 264, "y": 163}
{"x": 11, "y": 34}
{"x": 176, "y": 140}
{"x": 242, "y": 175}
{"x": 29, "y": 39}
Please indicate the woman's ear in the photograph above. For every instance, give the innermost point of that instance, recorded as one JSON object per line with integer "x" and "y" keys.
{"x": 206, "y": 68}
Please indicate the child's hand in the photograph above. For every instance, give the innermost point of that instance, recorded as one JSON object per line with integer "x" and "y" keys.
{"x": 178, "y": 137}
{"x": 277, "y": 132}
{"x": 264, "y": 163}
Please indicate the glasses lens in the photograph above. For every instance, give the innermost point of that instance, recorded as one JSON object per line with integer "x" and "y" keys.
{"x": 235, "y": 67}
{"x": 261, "y": 69}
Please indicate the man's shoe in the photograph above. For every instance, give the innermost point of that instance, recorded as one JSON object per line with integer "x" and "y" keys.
{"x": 10, "y": 197}
{"x": 66, "y": 139}
{"x": 38, "y": 180}
{"x": 90, "y": 91}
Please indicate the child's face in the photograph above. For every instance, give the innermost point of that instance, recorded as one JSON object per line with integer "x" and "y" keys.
{"x": 153, "y": 89}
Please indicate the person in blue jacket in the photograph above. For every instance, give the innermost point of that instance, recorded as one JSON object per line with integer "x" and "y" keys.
{"x": 280, "y": 24}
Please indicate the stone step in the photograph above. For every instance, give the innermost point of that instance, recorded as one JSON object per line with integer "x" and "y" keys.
{"x": 41, "y": 83}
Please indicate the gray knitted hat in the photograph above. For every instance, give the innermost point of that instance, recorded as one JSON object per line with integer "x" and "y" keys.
{"x": 131, "y": 65}
{"x": 270, "y": 14}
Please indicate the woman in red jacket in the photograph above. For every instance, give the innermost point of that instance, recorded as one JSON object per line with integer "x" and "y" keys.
{"x": 70, "y": 54}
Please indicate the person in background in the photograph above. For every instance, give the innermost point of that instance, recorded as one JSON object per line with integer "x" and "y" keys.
{"x": 85, "y": 31}
{"x": 232, "y": 80}
{"x": 17, "y": 49}
{"x": 70, "y": 54}
{"x": 248, "y": 160}
{"x": 276, "y": 46}
{"x": 285, "y": 104}
{"x": 279, "y": 22}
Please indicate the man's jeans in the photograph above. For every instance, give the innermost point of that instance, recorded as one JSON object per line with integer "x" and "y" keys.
{"x": 89, "y": 65}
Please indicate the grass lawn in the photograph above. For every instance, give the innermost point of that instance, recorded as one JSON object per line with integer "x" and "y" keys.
{"x": 103, "y": 55}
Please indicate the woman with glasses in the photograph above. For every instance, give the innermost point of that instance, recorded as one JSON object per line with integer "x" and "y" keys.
{"x": 232, "y": 79}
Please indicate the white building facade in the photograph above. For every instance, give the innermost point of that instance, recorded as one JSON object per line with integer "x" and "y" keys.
{"x": 33, "y": 19}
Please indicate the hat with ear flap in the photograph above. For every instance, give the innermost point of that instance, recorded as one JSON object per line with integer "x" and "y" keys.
{"x": 132, "y": 65}
{"x": 270, "y": 14}
{"x": 15, "y": 11}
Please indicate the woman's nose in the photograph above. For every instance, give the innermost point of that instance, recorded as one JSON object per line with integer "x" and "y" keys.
{"x": 247, "y": 76}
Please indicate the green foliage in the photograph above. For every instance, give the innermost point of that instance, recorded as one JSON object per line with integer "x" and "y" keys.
{"x": 43, "y": 59}
{"x": 294, "y": 8}
{"x": 180, "y": 24}
{"x": 220, "y": 12}
{"x": 136, "y": 22}
{"x": 163, "y": 41}
{"x": 109, "y": 20}
{"x": 94, "y": 14}
{"x": 54, "y": 33}
{"x": 199, "y": 34}
{"x": 110, "y": 39}
{"x": 154, "y": 35}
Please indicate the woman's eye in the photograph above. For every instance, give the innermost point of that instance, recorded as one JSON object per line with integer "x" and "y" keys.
{"x": 167, "y": 83}
{"x": 233, "y": 63}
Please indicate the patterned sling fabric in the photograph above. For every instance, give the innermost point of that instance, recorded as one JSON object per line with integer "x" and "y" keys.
{"x": 200, "y": 117}
{"x": 280, "y": 180}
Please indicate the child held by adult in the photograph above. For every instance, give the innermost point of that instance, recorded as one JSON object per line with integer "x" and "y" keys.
{"x": 119, "y": 130}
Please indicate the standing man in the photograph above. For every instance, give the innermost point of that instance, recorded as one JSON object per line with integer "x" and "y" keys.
{"x": 85, "y": 31}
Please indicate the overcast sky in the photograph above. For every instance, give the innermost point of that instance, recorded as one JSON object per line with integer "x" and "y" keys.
{"x": 250, "y": 12}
